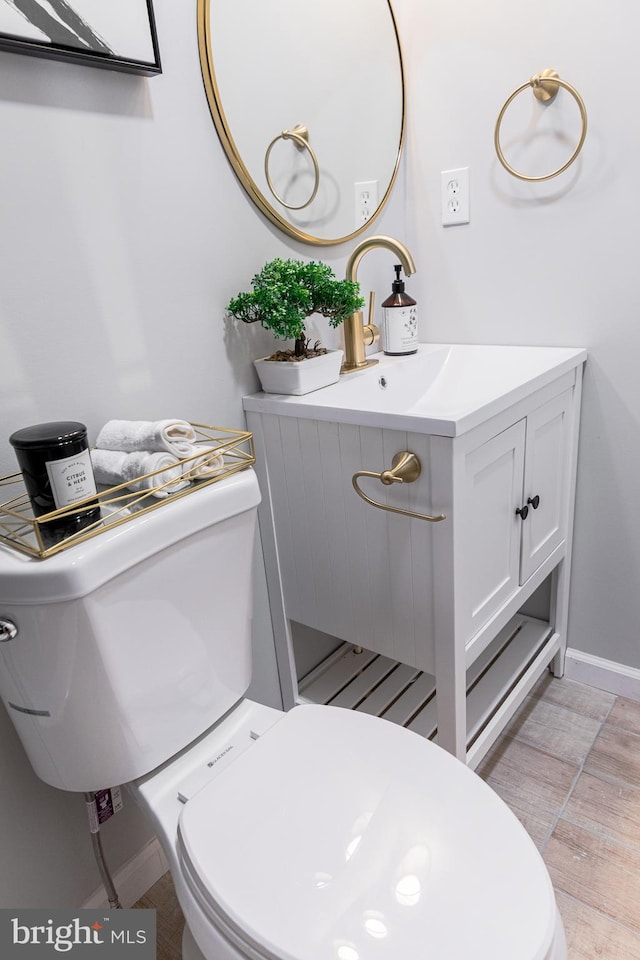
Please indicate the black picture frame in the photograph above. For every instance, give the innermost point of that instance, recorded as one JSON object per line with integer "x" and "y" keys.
{"x": 64, "y": 19}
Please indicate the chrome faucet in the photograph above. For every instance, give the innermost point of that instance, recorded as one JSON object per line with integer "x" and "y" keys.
{"x": 357, "y": 334}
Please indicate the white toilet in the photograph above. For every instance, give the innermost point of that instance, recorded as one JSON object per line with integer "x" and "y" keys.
{"x": 319, "y": 834}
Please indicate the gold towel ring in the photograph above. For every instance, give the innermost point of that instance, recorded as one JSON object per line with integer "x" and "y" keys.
{"x": 300, "y": 136}
{"x": 545, "y": 87}
{"x": 405, "y": 468}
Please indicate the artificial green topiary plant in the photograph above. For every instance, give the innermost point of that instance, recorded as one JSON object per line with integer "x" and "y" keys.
{"x": 286, "y": 292}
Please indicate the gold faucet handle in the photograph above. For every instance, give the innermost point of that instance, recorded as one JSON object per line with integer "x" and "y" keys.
{"x": 370, "y": 332}
{"x": 372, "y": 303}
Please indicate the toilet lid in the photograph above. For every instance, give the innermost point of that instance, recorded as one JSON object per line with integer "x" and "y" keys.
{"x": 340, "y": 836}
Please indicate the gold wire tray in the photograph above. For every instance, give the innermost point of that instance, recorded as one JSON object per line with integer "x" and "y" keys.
{"x": 21, "y": 530}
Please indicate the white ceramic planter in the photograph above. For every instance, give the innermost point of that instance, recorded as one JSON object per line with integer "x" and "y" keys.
{"x": 299, "y": 377}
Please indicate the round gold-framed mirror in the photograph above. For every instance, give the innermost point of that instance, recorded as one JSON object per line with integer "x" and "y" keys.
{"x": 308, "y": 100}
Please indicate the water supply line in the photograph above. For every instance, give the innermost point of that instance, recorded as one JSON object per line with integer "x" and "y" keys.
{"x": 94, "y": 827}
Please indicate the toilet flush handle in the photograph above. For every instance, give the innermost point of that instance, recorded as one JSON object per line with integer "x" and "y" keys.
{"x": 8, "y": 630}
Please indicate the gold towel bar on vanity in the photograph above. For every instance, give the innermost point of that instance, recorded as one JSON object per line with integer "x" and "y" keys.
{"x": 405, "y": 468}
{"x": 300, "y": 136}
{"x": 545, "y": 87}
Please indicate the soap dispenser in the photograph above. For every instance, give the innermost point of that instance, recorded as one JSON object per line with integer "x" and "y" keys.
{"x": 399, "y": 320}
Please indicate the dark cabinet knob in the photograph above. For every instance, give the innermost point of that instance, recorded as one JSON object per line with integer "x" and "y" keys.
{"x": 534, "y": 501}
{"x": 523, "y": 512}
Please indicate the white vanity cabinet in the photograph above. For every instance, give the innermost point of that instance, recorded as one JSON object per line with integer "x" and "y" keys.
{"x": 514, "y": 507}
{"x": 431, "y": 618}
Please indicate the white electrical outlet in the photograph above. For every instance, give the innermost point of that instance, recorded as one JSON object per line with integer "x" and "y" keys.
{"x": 454, "y": 185}
{"x": 366, "y": 201}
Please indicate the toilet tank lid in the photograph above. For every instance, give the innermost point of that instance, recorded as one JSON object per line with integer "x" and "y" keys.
{"x": 79, "y": 570}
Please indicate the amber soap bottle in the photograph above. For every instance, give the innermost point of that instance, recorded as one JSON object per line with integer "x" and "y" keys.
{"x": 399, "y": 332}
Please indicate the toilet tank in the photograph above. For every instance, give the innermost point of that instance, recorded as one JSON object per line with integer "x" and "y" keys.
{"x": 132, "y": 644}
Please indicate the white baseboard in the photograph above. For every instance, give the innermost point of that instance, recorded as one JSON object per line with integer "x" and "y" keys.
{"x": 134, "y": 878}
{"x": 604, "y": 674}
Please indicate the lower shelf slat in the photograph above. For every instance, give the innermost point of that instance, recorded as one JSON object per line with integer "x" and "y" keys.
{"x": 358, "y": 679}
{"x": 412, "y": 700}
{"x": 395, "y": 689}
{"x": 361, "y": 686}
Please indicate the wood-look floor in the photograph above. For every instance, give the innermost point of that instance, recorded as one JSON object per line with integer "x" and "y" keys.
{"x": 568, "y": 765}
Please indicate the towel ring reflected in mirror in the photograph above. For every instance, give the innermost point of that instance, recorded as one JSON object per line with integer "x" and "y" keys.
{"x": 545, "y": 87}
{"x": 300, "y": 136}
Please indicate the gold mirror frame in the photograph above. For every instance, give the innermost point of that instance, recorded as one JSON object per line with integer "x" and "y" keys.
{"x": 233, "y": 154}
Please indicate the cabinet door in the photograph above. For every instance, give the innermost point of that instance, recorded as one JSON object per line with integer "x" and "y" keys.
{"x": 546, "y": 476}
{"x": 489, "y": 531}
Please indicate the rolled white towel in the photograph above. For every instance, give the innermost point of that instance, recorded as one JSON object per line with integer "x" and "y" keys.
{"x": 203, "y": 463}
{"x": 113, "y": 467}
{"x": 171, "y": 436}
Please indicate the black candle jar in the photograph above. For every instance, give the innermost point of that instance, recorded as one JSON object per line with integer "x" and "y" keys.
{"x": 56, "y": 467}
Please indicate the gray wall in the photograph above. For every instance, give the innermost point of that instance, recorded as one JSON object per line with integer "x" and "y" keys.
{"x": 547, "y": 263}
{"x": 124, "y": 233}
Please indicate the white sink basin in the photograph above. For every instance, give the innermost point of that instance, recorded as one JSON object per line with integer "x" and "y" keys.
{"x": 394, "y": 384}
{"x": 443, "y": 389}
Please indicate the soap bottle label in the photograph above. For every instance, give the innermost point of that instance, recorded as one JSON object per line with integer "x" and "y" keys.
{"x": 71, "y": 479}
{"x": 400, "y": 329}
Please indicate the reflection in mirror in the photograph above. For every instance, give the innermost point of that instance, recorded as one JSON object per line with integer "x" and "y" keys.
{"x": 308, "y": 101}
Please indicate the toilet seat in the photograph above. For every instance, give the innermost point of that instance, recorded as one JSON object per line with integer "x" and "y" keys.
{"x": 338, "y": 835}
